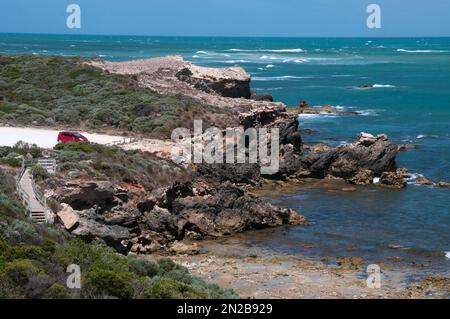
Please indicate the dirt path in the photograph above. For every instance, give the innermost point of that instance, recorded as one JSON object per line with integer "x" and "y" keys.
{"x": 45, "y": 138}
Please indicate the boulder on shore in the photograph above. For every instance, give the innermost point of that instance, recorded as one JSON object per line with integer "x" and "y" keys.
{"x": 68, "y": 217}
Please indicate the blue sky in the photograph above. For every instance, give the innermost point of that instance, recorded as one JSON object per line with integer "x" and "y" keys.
{"x": 301, "y": 18}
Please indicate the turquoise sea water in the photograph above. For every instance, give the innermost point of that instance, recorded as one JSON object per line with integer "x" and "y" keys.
{"x": 410, "y": 103}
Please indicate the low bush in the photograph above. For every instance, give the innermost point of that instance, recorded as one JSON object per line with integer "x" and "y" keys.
{"x": 57, "y": 291}
{"x": 48, "y": 90}
{"x": 118, "y": 165}
{"x": 39, "y": 173}
{"x": 107, "y": 283}
{"x": 164, "y": 288}
{"x": 34, "y": 259}
{"x": 19, "y": 271}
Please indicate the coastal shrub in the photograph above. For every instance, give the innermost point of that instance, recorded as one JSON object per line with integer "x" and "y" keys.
{"x": 9, "y": 207}
{"x": 20, "y": 270}
{"x": 112, "y": 163}
{"x": 46, "y": 90}
{"x": 20, "y": 232}
{"x": 39, "y": 173}
{"x": 57, "y": 291}
{"x": 13, "y": 162}
{"x": 34, "y": 258}
{"x": 107, "y": 283}
{"x": 164, "y": 288}
{"x": 20, "y": 149}
{"x": 143, "y": 267}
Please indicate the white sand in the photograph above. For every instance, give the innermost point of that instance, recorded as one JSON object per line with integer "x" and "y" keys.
{"x": 44, "y": 137}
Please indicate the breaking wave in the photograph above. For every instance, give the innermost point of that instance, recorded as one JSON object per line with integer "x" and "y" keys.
{"x": 280, "y": 78}
{"x": 421, "y": 51}
{"x": 268, "y": 50}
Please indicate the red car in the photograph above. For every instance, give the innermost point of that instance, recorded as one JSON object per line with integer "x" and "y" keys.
{"x": 66, "y": 136}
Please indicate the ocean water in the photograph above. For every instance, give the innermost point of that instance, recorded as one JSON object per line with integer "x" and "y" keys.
{"x": 410, "y": 101}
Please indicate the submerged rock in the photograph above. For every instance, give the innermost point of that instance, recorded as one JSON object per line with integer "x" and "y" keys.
{"x": 443, "y": 184}
{"x": 363, "y": 177}
{"x": 422, "y": 180}
{"x": 393, "y": 179}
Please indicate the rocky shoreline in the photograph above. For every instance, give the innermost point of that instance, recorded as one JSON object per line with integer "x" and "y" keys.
{"x": 255, "y": 272}
{"x": 149, "y": 205}
{"x": 215, "y": 201}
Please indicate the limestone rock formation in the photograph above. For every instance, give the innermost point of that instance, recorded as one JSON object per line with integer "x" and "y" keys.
{"x": 228, "y": 82}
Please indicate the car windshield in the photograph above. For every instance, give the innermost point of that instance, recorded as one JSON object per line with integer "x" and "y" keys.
{"x": 77, "y": 135}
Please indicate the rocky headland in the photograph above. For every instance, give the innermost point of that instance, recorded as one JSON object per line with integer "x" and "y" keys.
{"x": 213, "y": 201}
{"x": 137, "y": 200}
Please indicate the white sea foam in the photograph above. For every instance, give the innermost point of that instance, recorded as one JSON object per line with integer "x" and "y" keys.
{"x": 280, "y": 78}
{"x": 383, "y": 86}
{"x": 269, "y": 57}
{"x": 376, "y": 180}
{"x": 235, "y": 61}
{"x": 377, "y": 86}
{"x": 433, "y": 136}
{"x": 269, "y": 66}
{"x": 269, "y": 50}
{"x": 288, "y": 50}
{"x": 411, "y": 180}
{"x": 368, "y": 113}
{"x": 447, "y": 254}
{"x": 421, "y": 51}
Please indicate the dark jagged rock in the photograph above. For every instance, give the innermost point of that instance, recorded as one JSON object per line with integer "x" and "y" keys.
{"x": 89, "y": 230}
{"x": 228, "y": 209}
{"x": 85, "y": 196}
{"x": 289, "y": 133}
{"x": 262, "y": 97}
{"x": 161, "y": 220}
{"x": 126, "y": 217}
{"x": 372, "y": 153}
{"x": 236, "y": 173}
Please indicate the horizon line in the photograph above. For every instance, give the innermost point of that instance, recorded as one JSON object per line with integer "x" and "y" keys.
{"x": 226, "y": 36}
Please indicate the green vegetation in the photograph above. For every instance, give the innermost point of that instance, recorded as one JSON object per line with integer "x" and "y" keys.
{"x": 115, "y": 164}
{"x": 46, "y": 90}
{"x": 34, "y": 259}
{"x": 12, "y": 156}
